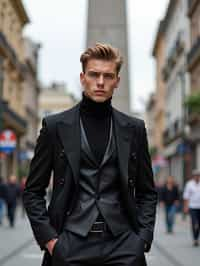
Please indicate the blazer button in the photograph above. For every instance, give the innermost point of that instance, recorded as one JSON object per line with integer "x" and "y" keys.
{"x": 126, "y": 138}
{"x": 133, "y": 155}
{"x": 62, "y": 154}
{"x": 68, "y": 213}
{"x": 62, "y": 181}
{"x": 131, "y": 181}
{"x": 97, "y": 196}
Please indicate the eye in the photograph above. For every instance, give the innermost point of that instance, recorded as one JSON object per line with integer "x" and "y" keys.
{"x": 109, "y": 76}
{"x": 93, "y": 74}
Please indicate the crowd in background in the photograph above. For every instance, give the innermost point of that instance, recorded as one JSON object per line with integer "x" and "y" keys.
{"x": 10, "y": 195}
{"x": 172, "y": 200}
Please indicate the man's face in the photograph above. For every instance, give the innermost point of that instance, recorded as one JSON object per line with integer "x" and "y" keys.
{"x": 99, "y": 80}
{"x": 197, "y": 178}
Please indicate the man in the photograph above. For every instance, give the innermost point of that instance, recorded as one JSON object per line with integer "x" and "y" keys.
{"x": 191, "y": 198}
{"x": 102, "y": 210}
{"x": 2, "y": 199}
{"x": 170, "y": 200}
{"x": 12, "y": 194}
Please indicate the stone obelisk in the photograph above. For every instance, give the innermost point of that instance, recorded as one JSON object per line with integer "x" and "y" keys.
{"x": 107, "y": 23}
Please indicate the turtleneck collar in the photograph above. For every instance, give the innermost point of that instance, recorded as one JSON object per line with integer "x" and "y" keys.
{"x": 95, "y": 109}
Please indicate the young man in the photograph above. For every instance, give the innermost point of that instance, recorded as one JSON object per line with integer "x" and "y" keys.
{"x": 191, "y": 198}
{"x": 102, "y": 210}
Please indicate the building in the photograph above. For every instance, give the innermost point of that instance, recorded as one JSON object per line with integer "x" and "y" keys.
{"x": 173, "y": 86}
{"x": 150, "y": 121}
{"x": 158, "y": 54}
{"x": 13, "y": 18}
{"x": 54, "y": 99}
{"x": 30, "y": 102}
{"x": 194, "y": 70}
{"x": 107, "y": 23}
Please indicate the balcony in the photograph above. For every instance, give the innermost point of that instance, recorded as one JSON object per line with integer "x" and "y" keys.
{"x": 9, "y": 52}
{"x": 194, "y": 54}
{"x": 180, "y": 43}
{"x": 12, "y": 119}
{"x": 174, "y": 54}
{"x": 192, "y": 6}
{"x": 173, "y": 132}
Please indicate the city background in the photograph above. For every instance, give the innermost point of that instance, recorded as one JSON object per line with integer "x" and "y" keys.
{"x": 40, "y": 46}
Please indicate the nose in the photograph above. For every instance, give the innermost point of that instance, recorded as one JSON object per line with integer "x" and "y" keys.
{"x": 100, "y": 80}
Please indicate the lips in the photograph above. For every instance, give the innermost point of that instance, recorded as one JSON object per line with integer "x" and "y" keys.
{"x": 99, "y": 92}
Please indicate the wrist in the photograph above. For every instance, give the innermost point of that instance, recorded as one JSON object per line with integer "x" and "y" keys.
{"x": 50, "y": 245}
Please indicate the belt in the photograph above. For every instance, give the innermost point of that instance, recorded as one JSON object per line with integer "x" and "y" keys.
{"x": 98, "y": 227}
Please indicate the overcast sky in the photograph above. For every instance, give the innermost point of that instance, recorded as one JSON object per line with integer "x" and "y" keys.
{"x": 60, "y": 26}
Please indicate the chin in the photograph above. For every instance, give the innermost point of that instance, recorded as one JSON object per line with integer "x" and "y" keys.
{"x": 99, "y": 99}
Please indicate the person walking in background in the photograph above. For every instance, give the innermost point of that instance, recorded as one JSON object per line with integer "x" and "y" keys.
{"x": 170, "y": 200}
{"x": 2, "y": 199}
{"x": 191, "y": 198}
{"x": 12, "y": 195}
{"x": 22, "y": 187}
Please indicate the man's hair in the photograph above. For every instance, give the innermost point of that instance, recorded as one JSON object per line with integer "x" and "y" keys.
{"x": 103, "y": 52}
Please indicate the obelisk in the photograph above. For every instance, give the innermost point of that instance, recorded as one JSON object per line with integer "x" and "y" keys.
{"x": 107, "y": 23}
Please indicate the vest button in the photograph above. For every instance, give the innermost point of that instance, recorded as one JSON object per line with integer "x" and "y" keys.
{"x": 131, "y": 181}
{"x": 61, "y": 181}
{"x": 97, "y": 196}
{"x": 133, "y": 155}
{"x": 62, "y": 154}
{"x": 68, "y": 213}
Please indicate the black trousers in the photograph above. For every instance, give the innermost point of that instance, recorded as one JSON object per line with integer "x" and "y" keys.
{"x": 195, "y": 221}
{"x": 11, "y": 210}
{"x": 127, "y": 249}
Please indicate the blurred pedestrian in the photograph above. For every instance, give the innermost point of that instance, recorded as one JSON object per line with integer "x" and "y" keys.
{"x": 12, "y": 195}
{"x": 159, "y": 187}
{"x": 170, "y": 201}
{"x": 191, "y": 198}
{"x": 22, "y": 187}
{"x": 2, "y": 199}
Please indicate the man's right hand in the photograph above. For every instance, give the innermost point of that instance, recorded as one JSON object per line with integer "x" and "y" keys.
{"x": 50, "y": 245}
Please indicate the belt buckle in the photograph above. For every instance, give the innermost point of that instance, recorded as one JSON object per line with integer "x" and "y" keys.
{"x": 98, "y": 227}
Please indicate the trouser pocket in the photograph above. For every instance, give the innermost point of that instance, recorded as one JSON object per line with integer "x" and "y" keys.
{"x": 61, "y": 250}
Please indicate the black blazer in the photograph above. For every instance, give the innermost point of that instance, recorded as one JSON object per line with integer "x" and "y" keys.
{"x": 57, "y": 152}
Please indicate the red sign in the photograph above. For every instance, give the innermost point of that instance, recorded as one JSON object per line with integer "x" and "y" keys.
{"x": 7, "y": 141}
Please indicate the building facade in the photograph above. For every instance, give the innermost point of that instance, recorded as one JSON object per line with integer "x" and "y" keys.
{"x": 194, "y": 70}
{"x": 158, "y": 54}
{"x": 173, "y": 86}
{"x": 150, "y": 120}
{"x": 30, "y": 102}
{"x": 13, "y": 18}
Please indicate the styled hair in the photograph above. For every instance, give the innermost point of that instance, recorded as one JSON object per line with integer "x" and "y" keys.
{"x": 103, "y": 52}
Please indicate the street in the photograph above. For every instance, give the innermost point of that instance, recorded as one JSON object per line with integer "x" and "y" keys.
{"x": 17, "y": 247}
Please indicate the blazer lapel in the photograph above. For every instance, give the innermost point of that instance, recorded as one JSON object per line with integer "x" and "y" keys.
{"x": 69, "y": 133}
{"x": 124, "y": 134}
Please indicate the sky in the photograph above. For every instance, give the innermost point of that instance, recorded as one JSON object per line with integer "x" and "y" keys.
{"x": 60, "y": 27}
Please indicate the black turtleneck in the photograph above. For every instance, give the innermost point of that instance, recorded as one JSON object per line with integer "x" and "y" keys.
{"x": 96, "y": 118}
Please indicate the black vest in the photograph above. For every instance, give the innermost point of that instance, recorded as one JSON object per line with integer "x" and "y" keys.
{"x": 99, "y": 191}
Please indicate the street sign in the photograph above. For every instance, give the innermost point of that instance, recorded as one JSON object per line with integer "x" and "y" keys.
{"x": 7, "y": 141}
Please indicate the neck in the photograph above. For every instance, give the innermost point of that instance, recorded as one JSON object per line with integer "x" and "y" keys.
{"x": 95, "y": 109}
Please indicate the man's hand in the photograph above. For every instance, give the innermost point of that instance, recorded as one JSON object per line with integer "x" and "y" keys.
{"x": 185, "y": 207}
{"x": 50, "y": 245}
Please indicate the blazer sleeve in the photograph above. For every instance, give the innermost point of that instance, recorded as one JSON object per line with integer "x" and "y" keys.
{"x": 35, "y": 189}
{"x": 145, "y": 192}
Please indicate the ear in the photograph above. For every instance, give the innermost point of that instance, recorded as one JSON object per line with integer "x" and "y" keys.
{"x": 117, "y": 82}
{"x": 82, "y": 78}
